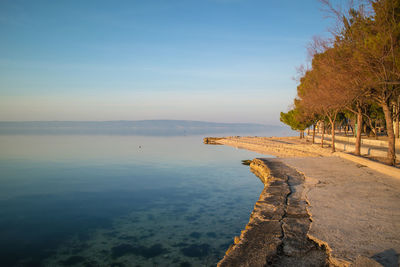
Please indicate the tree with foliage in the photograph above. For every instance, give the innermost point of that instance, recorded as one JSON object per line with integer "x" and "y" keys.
{"x": 378, "y": 53}
{"x": 358, "y": 68}
{"x": 323, "y": 89}
{"x": 295, "y": 119}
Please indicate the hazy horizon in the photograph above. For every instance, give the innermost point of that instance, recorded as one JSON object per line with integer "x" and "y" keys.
{"x": 212, "y": 60}
{"x": 140, "y": 127}
{"x": 150, "y": 120}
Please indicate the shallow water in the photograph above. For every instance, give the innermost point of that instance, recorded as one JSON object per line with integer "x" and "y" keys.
{"x": 121, "y": 200}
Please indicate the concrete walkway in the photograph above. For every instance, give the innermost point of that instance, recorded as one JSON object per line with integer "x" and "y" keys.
{"x": 355, "y": 210}
{"x": 368, "y": 148}
{"x": 354, "y": 205}
{"x": 295, "y": 147}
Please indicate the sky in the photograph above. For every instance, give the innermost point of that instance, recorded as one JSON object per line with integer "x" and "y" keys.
{"x": 208, "y": 60}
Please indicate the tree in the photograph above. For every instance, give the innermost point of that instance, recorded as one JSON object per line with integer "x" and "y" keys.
{"x": 296, "y": 120}
{"x": 324, "y": 88}
{"x": 373, "y": 114}
{"x": 379, "y": 55}
{"x": 360, "y": 64}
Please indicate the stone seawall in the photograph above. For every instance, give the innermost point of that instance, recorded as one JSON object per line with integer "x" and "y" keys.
{"x": 341, "y": 229}
{"x": 276, "y": 234}
{"x": 294, "y": 147}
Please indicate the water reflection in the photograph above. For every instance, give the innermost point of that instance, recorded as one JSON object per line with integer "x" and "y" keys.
{"x": 120, "y": 200}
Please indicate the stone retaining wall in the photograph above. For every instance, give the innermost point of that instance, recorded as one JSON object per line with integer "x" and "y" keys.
{"x": 276, "y": 234}
{"x": 350, "y": 147}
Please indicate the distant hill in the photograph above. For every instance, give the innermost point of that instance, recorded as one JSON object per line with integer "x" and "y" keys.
{"x": 142, "y": 127}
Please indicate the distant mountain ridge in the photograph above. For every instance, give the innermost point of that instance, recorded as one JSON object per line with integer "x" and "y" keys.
{"x": 130, "y": 122}
{"x": 139, "y": 127}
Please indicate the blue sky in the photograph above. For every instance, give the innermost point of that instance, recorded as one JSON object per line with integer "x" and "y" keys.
{"x": 211, "y": 60}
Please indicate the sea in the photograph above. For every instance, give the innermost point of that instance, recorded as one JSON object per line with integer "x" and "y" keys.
{"x": 121, "y": 200}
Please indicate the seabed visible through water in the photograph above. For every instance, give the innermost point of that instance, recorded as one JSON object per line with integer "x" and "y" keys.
{"x": 121, "y": 200}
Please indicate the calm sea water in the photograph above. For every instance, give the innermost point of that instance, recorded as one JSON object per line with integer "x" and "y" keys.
{"x": 121, "y": 200}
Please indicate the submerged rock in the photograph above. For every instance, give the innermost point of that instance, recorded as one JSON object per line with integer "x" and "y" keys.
{"x": 211, "y": 234}
{"x": 196, "y": 235}
{"x": 121, "y": 250}
{"x": 196, "y": 250}
{"x": 146, "y": 252}
{"x": 185, "y": 264}
{"x": 73, "y": 260}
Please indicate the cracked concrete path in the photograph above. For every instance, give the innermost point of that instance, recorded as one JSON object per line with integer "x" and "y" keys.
{"x": 276, "y": 234}
{"x": 354, "y": 209}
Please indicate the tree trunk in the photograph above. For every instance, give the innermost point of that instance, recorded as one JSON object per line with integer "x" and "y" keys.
{"x": 313, "y": 134}
{"x": 397, "y": 126}
{"x": 372, "y": 126}
{"x": 391, "y": 155}
{"x": 359, "y": 126}
{"x": 333, "y": 134}
{"x": 322, "y": 136}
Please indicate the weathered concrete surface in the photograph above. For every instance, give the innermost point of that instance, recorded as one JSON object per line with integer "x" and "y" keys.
{"x": 351, "y": 140}
{"x": 276, "y": 234}
{"x": 376, "y": 166}
{"x": 367, "y": 147}
{"x": 284, "y": 147}
{"x": 276, "y": 146}
{"x": 362, "y": 261}
{"x": 354, "y": 209}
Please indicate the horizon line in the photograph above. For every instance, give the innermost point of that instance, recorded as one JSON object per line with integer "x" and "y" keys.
{"x": 175, "y": 120}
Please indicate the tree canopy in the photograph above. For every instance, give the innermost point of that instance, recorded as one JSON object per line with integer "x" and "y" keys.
{"x": 356, "y": 70}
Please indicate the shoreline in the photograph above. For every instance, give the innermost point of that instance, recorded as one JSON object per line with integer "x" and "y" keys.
{"x": 276, "y": 234}
{"x": 284, "y": 147}
{"x": 343, "y": 228}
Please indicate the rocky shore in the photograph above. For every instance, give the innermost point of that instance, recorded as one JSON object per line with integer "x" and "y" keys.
{"x": 316, "y": 210}
{"x": 276, "y": 234}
